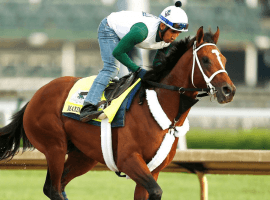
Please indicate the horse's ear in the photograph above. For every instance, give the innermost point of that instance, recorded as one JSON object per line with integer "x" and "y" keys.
{"x": 200, "y": 35}
{"x": 216, "y": 36}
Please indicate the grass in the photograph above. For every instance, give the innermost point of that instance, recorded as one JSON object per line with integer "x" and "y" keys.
{"x": 27, "y": 185}
{"x": 228, "y": 139}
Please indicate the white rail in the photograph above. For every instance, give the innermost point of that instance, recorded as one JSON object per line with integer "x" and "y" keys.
{"x": 201, "y": 162}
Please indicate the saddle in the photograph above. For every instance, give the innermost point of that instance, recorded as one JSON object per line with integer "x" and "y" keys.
{"x": 116, "y": 87}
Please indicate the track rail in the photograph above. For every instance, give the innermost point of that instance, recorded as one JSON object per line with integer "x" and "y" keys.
{"x": 255, "y": 162}
{"x": 201, "y": 162}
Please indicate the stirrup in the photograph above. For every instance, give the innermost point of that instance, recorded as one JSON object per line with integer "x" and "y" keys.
{"x": 90, "y": 116}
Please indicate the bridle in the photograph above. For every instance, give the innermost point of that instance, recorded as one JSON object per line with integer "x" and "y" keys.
{"x": 196, "y": 59}
{"x": 210, "y": 88}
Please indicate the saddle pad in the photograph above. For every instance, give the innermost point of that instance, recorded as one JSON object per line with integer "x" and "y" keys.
{"x": 116, "y": 110}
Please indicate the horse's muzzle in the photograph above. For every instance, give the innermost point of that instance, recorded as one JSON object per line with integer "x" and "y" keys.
{"x": 225, "y": 93}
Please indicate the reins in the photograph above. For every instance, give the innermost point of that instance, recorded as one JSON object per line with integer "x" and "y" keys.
{"x": 181, "y": 90}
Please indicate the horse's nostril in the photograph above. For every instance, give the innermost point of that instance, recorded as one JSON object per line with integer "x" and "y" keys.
{"x": 227, "y": 90}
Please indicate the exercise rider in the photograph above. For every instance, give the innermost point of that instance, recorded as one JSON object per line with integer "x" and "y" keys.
{"x": 119, "y": 33}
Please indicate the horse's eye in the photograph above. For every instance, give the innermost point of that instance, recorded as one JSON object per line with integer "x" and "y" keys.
{"x": 206, "y": 61}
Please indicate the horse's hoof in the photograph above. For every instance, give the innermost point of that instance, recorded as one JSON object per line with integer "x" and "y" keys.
{"x": 102, "y": 116}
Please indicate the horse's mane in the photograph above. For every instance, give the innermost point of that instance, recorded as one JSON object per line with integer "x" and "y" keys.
{"x": 167, "y": 62}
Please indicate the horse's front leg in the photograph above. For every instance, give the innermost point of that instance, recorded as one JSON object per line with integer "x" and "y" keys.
{"x": 135, "y": 167}
{"x": 141, "y": 192}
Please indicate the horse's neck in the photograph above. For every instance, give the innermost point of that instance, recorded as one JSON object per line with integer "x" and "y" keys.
{"x": 169, "y": 100}
{"x": 180, "y": 75}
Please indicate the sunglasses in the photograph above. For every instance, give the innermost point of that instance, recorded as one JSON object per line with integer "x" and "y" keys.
{"x": 178, "y": 26}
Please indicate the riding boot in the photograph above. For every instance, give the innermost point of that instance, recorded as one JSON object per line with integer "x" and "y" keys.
{"x": 89, "y": 112}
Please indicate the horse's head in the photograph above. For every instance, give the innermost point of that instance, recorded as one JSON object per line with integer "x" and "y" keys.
{"x": 208, "y": 67}
{"x": 195, "y": 62}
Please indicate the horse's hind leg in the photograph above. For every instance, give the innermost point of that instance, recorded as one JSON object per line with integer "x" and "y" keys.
{"x": 135, "y": 167}
{"x": 76, "y": 165}
{"x": 47, "y": 185}
{"x": 54, "y": 150}
{"x": 55, "y": 159}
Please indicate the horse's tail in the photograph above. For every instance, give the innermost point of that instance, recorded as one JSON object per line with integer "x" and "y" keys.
{"x": 11, "y": 135}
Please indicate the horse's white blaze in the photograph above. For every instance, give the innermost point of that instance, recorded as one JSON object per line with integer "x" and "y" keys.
{"x": 218, "y": 57}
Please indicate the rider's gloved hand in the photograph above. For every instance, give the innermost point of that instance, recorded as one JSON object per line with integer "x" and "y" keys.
{"x": 141, "y": 72}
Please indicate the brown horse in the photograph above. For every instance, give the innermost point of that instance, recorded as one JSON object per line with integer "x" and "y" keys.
{"x": 40, "y": 123}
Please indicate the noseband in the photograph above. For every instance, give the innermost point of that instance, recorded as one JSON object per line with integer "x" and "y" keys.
{"x": 196, "y": 59}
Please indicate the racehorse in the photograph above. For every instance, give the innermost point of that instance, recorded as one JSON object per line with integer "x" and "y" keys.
{"x": 40, "y": 123}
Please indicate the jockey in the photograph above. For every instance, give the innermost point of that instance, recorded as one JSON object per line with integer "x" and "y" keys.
{"x": 119, "y": 33}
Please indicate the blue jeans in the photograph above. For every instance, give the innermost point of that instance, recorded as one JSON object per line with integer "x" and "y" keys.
{"x": 108, "y": 40}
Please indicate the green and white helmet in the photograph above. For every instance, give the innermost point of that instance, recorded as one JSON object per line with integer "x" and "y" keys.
{"x": 175, "y": 17}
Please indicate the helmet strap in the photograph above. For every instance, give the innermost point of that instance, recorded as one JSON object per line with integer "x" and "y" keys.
{"x": 163, "y": 32}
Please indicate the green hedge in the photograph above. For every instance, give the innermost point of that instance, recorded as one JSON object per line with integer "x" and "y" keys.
{"x": 228, "y": 139}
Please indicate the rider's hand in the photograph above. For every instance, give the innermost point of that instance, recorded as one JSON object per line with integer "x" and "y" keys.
{"x": 141, "y": 72}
